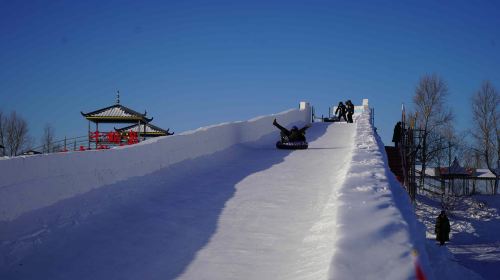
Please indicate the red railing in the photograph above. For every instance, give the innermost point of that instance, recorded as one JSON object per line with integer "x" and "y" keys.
{"x": 96, "y": 140}
{"x": 114, "y": 138}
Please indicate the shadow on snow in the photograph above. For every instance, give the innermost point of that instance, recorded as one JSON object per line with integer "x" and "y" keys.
{"x": 147, "y": 227}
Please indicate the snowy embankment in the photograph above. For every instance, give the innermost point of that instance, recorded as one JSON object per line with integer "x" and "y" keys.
{"x": 231, "y": 209}
{"x": 33, "y": 182}
{"x": 378, "y": 236}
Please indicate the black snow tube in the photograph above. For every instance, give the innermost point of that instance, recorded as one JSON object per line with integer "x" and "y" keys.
{"x": 332, "y": 119}
{"x": 300, "y": 145}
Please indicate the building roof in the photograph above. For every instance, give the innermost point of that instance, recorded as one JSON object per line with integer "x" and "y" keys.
{"x": 455, "y": 170}
{"x": 151, "y": 130}
{"x": 31, "y": 152}
{"x": 484, "y": 173}
{"x": 116, "y": 114}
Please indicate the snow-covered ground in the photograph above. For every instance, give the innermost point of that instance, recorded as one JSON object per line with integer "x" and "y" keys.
{"x": 474, "y": 239}
{"x": 243, "y": 211}
{"x": 280, "y": 222}
{"x": 29, "y": 183}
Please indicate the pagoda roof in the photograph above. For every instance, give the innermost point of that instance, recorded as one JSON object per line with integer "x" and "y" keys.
{"x": 116, "y": 114}
{"x": 151, "y": 130}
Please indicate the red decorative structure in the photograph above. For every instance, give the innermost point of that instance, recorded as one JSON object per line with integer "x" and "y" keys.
{"x": 117, "y": 113}
{"x": 114, "y": 137}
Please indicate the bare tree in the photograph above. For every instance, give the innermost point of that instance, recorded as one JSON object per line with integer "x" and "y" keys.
{"x": 48, "y": 139}
{"x": 16, "y": 134}
{"x": 486, "y": 132}
{"x": 431, "y": 115}
{"x": 462, "y": 150}
{"x": 472, "y": 159}
{"x": 443, "y": 145}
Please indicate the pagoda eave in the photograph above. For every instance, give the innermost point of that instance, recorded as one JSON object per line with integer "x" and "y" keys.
{"x": 118, "y": 119}
{"x": 153, "y": 134}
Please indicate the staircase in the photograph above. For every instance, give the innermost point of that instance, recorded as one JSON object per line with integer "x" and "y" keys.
{"x": 395, "y": 162}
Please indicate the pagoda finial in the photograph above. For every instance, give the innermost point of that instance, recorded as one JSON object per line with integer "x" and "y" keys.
{"x": 117, "y": 97}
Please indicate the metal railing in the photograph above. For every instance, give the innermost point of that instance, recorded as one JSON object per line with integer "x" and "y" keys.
{"x": 64, "y": 145}
{"x": 95, "y": 140}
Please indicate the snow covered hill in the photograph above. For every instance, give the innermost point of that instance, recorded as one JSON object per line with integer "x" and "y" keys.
{"x": 33, "y": 182}
{"x": 201, "y": 208}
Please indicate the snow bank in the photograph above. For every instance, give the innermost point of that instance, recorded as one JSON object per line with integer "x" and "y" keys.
{"x": 33, "y": 182}
{"x": 377, "y": 225}
{"x": 473, "y": 250}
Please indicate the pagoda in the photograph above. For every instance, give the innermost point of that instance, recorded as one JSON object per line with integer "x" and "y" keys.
{"x": 454, "y": 171}
{"x": 456, "y": 178}
{"x": 119, "y": 114}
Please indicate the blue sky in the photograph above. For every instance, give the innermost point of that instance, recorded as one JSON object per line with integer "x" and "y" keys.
{"x": 195, "y": 63}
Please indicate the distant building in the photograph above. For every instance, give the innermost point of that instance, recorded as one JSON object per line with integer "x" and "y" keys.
{"x": 31, "y": 152}
{"x": 140, "y": 129}
{"x": 458, "y": 180}
{"x": 455, "y": 171}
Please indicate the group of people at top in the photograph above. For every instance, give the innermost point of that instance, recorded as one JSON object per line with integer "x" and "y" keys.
{"x": 345, "y": 111}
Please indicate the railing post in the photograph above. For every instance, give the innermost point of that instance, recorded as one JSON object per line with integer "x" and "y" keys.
{"x": 88, "y": 135}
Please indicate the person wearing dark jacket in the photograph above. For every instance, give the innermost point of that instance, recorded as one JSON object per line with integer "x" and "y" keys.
{"x": 442, "y": 228}
{"x": 350, "y": 110}
{"x": 396, "y": 136}
{"x": 341, "y": 111}
{"x": 293, "y": 135}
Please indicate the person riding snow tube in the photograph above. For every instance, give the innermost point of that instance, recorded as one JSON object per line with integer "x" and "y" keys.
{"x": 294, "y": 138}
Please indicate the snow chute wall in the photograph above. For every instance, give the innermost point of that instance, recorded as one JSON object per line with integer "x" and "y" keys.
{"x": 32, "y": 182}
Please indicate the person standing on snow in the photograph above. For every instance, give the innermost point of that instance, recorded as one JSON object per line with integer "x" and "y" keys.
{"x": 442, "y": 228}
{"x": 341, "y": 111}
{"x": 350, "y": 110}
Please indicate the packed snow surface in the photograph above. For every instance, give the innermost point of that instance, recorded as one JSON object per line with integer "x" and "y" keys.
{"x": 474, "y": 248}
{"x": 251, "y": 210}
{"x": 280, "y": 223}
{"x": 244, "y": 211}
{"x": 33, "y": 182}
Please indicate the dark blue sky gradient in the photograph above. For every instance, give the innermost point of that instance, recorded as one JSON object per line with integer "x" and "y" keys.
{"x": 195, "y": 63}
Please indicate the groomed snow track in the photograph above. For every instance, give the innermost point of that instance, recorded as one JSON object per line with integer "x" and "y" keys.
{"x": 246, "y": 212}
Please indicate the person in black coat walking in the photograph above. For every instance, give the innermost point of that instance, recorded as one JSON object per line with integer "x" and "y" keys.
{"x": 396, "y": 135}
{"x": 442, "y": 228}
{"x": 350, "y": 110}
{"x": 293, "y": 135}
{"x": 341, "y": 110}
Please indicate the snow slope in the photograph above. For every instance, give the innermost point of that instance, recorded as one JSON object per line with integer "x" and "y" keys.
{"x": 280, "y": 223}
{"x": 30, "y": 183}
{"x": 245, "y": 211}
